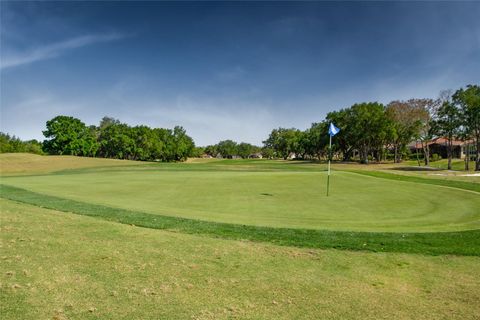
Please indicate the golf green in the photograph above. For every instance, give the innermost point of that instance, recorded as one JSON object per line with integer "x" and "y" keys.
{"x": 277, "y": 199}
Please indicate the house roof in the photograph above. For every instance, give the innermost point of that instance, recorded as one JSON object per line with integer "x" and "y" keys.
{"x": 440, "y": 141}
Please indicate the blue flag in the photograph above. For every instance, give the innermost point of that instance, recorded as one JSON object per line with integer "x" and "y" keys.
{"x": 332, "y": 130}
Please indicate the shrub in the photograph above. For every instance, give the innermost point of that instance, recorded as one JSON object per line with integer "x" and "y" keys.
{"x": 436, "y": 157}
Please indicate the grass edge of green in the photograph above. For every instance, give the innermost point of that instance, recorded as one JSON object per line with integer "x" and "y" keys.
{"x": 465, "y": 185}
{"x": 455, "y": 243}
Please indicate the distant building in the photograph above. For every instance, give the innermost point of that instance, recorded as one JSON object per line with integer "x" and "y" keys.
{"x": 220, "y": 156}
{"x": 257, "y": 155}
{"x": 292, "y": 156}
{"x": 440, "y": 145}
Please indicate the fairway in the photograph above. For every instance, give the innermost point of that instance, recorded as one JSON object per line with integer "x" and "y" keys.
{"x": 282, "y": 198}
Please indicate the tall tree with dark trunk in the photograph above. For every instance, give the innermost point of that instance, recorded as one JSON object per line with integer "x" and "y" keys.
{"x": 430, "y": 109}
{"x": 406, "y": 117}
{"x": 468, "y": 101}
{"x": 447, "y": 125}
{"x": 369, "y": 127}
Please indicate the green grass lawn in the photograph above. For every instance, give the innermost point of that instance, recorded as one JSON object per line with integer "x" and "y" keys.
{"x": 223, "y": 239}
{"x": 63, "y": 266}
{"x": 288, "y": 199}
{"x": 457, "y": 164}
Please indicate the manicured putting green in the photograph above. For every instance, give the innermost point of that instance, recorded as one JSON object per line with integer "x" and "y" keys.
{"x": 277, "y": 199}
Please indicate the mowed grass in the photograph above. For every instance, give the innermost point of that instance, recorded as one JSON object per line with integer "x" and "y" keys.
{"x": 273, "y": 198}
{"x": 56, "y": 265}
{"x": 458, "y": 243}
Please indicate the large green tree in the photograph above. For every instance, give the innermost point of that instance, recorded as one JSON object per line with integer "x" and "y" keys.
{"x": 245, "y": 149}
{"x": 211, "y": 150}
{"x": 345, "y": 141}
{"x": 143, "y": 142}
{"x": 183, "y": 144}
{"x": 69, "y": 136}
{"x": 369, "y": 127}
{"x": 315, "y": 140}
{"x": 468, "y": 101}
{"x": 227, "y": 148}
{"x": 427, "y": 120}
{"x": 447, "y": 125}
{"x": 407, "y": 118}
{"x": 116, "y": 141}
{"x": 284, "y": 141}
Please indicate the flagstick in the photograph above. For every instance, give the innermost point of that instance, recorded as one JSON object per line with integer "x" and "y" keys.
{"x": 329, "y": 158}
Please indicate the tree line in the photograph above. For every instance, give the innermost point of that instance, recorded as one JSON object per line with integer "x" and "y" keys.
{"x": 373, "y": 131}
{"x": 368, "y": 131}
{"x": 10, "y": 143}
{"x": 230, "y": 149}
{"x": 112, "y": 139}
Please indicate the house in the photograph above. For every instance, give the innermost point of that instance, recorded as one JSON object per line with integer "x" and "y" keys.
{"x": 439, "y": 146}
{"x": 257, "y": 155}
{"x": 219, "y": 156}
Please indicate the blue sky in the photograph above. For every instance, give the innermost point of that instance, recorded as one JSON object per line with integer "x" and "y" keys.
{"x": 226, "y": 70}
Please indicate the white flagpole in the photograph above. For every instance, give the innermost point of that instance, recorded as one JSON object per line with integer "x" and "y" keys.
{"x": 329, "y": 158}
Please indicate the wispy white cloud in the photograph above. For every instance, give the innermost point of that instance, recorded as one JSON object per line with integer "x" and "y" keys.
{"x": 52, "y": 50}
{"x": 206, "y": 119}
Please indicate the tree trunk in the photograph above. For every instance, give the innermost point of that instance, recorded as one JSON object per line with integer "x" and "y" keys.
{"x": 347, "y": 155}
{"x": 449, "y": 154}
{"x": 364, "y": 155}
{"x": 426, "y": 153}
{"x": 416, "y": 149}
{"x": 467, "y": 157}
{"x": 477, "y": 159}
{"x": 395, "y": 157}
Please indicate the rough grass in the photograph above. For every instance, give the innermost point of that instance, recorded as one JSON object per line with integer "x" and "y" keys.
{"x": 457, "y": 164}
{"x": 59, "y": 266}
{"x": 458, "y": 243}
{"x": 26, "y": 163}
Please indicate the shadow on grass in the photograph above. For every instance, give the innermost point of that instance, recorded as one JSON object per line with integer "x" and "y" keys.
{"x": 415, "y": 169}
{"x": 471, "y": 186}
